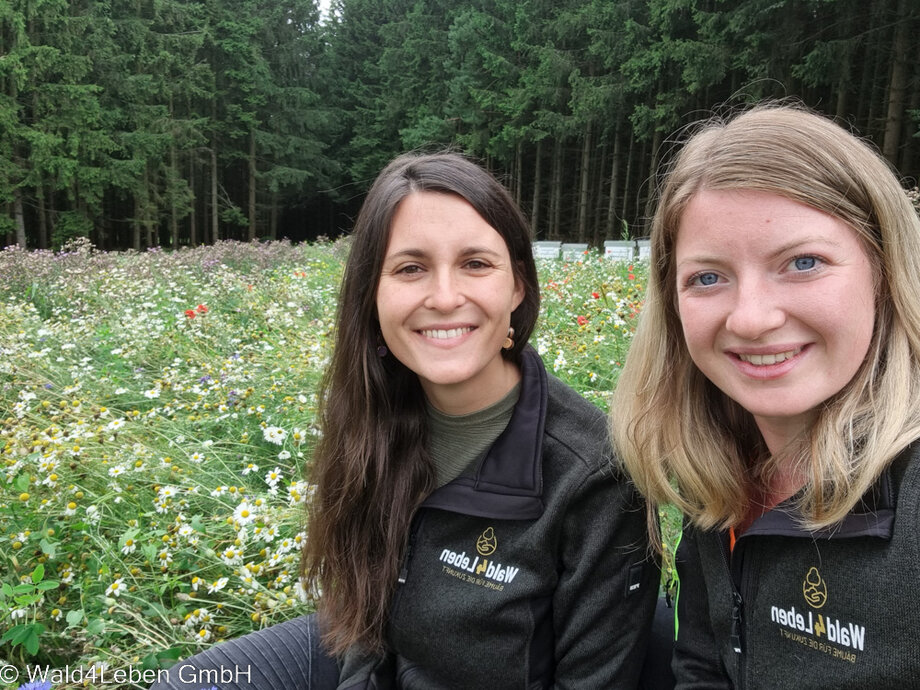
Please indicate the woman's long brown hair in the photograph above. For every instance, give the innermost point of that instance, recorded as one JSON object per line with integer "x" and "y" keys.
{"x": 371, "y": 466}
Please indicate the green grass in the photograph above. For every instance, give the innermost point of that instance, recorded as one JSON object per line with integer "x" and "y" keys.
{"x": 157, "y": 422}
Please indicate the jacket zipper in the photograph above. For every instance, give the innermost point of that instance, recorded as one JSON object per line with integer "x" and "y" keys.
{"x": 404, "y": 568}
{"x": 410, "y": 547}
{"x": 737, "y": 615}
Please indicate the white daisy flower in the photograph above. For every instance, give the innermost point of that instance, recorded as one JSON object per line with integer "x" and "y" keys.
{"x": 244, "y": 513}
{"x": 274, "y": 434}
{"x": 116, "y": 588}
{"x": 218, "y": 585}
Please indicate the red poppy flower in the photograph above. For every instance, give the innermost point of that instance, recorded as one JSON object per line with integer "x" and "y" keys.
{"x": 582, "y": 320}
{"x": 190, "y": 313}
{"x": 595, "y": 295}
{"x": 202, "y": 309}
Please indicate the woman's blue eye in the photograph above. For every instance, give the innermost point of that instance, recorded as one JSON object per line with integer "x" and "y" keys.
{"x": 707, "y": 278}
{"x": 805, "y": 263}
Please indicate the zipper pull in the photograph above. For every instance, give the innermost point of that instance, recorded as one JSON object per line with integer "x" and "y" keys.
{"x": 736, "y": 622}
{"x": 668, "y": 589}
{"x": 404, "y": 571}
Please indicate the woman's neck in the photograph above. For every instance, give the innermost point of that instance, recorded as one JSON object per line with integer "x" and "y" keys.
{"x": 784, "y": 483}
{"x": 462, "y": 398}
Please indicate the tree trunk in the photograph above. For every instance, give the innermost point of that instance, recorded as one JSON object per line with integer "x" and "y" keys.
{"x": 556, "y": 195}
{"x": 597, "y": 212}
{"x": 147, "y": 211}
{"x": 215, "y": 207}
{"x": 20, "y": 218}
{"x": 273, "y": 217}
{"x": 897, "y": 85}
{"x": 614, "y": 184}
{"x": 653, "y": 162}
{"x": 136, "y": 226}
{"x": 913, "y": 143}
{"x": 173, "y": 211}
{"x": 42, "y": 217}
{"x": 584, "y": 182}
{"x": 842, "y": 85}
{"x": 518, "y": 172}
{"x": 626, "y": 179}
{"x": 252, "y": 184}
{"x": 535, "y": 206}
{"x": 51, "y": 216}
{"x": 876, "y": 93}
{"x": 840, "y": 113}
{"x": 865, "y": 85}
{"x": 193, "y": 216}
{"x": 137, "y": 223}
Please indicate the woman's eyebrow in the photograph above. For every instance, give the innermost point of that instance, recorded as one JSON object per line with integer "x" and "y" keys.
{"x": 414, "y": 253}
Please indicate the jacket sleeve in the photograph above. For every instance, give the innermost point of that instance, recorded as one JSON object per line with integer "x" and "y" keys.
{"x": 696, "y": 661}
{"x": 608, "y": 586}
{"x": 361, "y": 671}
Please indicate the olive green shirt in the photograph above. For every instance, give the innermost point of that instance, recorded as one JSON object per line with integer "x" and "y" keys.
{"x": 457, "y": 441}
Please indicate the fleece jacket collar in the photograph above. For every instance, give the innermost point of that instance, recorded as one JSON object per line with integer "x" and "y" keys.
{"x": 873, "y": 516}
{"x": 508, "y": 483}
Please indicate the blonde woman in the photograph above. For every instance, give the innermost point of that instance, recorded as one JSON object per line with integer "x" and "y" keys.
{"x": 773, "y": 394}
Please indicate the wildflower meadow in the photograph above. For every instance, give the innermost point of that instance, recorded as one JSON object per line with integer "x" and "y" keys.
{"x": 156, "y": 426}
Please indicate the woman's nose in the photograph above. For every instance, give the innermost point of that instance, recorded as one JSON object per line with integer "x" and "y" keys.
{"x": 755, "y": 312}
{"x": 446, "y": 292}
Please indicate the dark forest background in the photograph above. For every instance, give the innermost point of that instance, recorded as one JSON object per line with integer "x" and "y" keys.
{"x": 144, "y": 123}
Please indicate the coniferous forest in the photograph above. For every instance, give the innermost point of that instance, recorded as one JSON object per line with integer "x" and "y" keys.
{"x": 141, "y": 123}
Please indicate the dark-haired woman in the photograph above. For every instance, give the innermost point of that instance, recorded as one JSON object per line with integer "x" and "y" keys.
{"x": 469, "y": 529}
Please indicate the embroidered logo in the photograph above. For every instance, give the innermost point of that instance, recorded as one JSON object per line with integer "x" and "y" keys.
{"x": 814, "y": 589}
{"x": 487, "y": 542}
{"x": 823, "y": 632}
{"x": 478, "y": 569}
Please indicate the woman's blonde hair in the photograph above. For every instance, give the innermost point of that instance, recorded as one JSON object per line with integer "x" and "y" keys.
{"x": 685, "y": 442}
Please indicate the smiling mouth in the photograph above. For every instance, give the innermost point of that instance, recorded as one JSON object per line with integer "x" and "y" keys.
{"x": 444, "y": 335}
{"x": 765, "y": 360}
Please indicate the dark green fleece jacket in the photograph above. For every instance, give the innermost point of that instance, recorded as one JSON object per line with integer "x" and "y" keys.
{"x": 532, "y": 573}
{"x": 835, "y": 609}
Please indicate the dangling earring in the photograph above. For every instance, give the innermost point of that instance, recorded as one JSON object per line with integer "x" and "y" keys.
{"x": 509, "y": 340}
{"x": 382, "y": 350}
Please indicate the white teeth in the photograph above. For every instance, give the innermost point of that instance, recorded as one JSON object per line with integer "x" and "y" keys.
{"x": 443, "y": 335}
{"x": 763, "y": 360}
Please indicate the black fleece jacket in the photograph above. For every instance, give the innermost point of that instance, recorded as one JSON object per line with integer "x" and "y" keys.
{"x": 788, "y": 608}
{"x": 533, "y": 572}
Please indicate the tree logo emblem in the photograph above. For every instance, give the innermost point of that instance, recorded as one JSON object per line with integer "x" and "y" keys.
{"x": 487, "y": 542}
{"x": 815, "y": 589}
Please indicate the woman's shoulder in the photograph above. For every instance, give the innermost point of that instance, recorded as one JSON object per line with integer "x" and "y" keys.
{"x": 905, "y": 476}
{"x": 578, "y": 426}
{"x": 563, "y": 395}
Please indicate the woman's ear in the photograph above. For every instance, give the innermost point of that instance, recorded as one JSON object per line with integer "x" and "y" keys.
{"x": 519, "y": 289}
